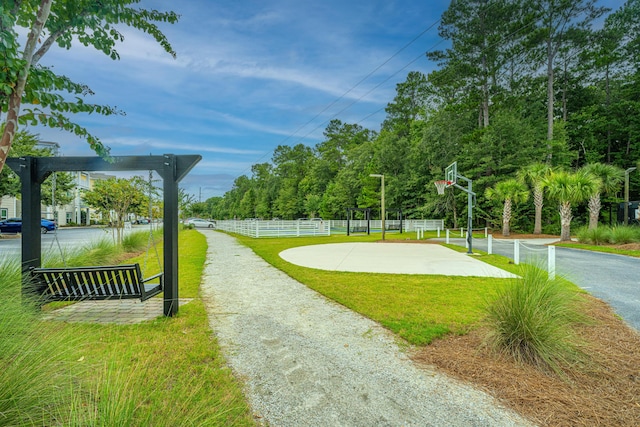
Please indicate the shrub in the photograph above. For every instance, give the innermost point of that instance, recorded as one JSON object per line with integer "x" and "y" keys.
{"x": 595, "y": 236}
{"x": 532, "y": 320}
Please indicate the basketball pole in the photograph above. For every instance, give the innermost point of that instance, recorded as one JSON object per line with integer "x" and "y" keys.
{"x": 452, "y": 177}
{"x": 470, "y": 196}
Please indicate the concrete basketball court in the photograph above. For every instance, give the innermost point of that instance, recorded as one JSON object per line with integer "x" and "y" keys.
{"x": 395, "y": 258}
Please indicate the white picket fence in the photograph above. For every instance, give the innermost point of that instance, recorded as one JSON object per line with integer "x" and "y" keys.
{"x": 258, "y": 228}
{"x": 297, "y": 228}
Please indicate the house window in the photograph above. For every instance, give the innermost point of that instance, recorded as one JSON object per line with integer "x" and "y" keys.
{"x": 4, "y": 213}
{"x": 69, "y": 217}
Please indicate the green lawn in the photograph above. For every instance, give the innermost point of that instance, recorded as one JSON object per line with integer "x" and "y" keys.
{"x": 419, "y": 308}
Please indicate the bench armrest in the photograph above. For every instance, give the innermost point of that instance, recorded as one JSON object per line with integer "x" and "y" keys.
{"x": 155, "y": 276}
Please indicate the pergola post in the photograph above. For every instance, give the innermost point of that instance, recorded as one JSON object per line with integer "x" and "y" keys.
{"x": 170, "y": 236}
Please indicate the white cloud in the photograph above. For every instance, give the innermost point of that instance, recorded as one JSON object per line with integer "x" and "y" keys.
{"x": 153, "y": 143}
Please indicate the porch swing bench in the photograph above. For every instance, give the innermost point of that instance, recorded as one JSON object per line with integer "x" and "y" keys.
{"x": 95, "y": 283}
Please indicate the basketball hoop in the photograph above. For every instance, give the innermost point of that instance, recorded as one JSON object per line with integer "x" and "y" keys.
{"x": 441, "y": 185}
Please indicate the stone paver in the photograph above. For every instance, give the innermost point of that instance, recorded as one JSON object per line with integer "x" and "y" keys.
{"x": 121, "y": 312}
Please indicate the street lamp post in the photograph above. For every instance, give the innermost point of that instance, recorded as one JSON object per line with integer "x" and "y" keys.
{"x": 383, "y": 213}
{"x": 626, "y": 194}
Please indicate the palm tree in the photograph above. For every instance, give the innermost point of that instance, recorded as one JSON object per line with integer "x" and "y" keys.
{"x": 535, "y": 175}
{"x": 569, "y": 188}
{"x": 509, "y": 191}
{"x": 611, "y": 177}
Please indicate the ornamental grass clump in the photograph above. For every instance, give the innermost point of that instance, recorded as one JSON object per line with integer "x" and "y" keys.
{"x": 135, "y": 241}
{"x": 34, "y": 380}
{"x": 594, "y": 236}
{"x": 622, "y": 235}
{"x": 532, "y": 319}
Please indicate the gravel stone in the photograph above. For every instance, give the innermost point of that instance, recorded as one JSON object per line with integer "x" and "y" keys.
{"x": 308, "y": 361}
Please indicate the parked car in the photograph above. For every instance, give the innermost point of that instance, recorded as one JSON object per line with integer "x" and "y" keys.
{"x": 14, "y": 225}
{"x": 200, "y": 223}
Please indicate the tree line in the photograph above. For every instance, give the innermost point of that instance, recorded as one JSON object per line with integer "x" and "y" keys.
{"x": 523, "y": 83}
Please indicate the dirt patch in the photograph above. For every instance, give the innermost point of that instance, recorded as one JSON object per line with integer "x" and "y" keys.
{"x": 606, "y": 392}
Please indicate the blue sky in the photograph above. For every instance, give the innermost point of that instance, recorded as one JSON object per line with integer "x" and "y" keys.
{"x": 250, "y": 75}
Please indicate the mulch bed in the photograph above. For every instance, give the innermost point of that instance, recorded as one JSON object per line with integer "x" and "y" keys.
{"x": 605, "y": 392}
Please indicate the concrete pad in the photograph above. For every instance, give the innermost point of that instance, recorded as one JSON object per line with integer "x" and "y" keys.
{"x": 395, "y": 258}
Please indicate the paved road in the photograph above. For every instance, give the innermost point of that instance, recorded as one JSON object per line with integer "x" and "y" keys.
{"x": 612, "y": 278}
{"x": 68, "y": 238}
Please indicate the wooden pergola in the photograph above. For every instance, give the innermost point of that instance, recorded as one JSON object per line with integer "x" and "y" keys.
{"x": 172, "y": 168}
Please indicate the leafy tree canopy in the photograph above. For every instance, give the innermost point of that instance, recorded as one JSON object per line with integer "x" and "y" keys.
{"x": 52, "y": 98}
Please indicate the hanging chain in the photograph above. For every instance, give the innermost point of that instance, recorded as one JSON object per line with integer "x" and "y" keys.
{"x": 151, "y": 239}
{"x": 55, "y": 218}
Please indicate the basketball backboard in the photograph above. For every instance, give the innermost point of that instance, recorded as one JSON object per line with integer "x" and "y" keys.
{"x": 451, "y": 174}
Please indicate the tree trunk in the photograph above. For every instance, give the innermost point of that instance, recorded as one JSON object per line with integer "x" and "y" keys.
{"x": 550, "y": 100}
{"x": 565, "y": 222}
{"x": 565, "y": 85}
{"x": 608, "y": 102}
{"x": 485, "y": 76}
{"x": 506, "y": 217}
{"x": 16, "y": 95}
{"x": 538, "y": 202}
{"x": 594, "y": 210}
{"x": 485, "y": 95}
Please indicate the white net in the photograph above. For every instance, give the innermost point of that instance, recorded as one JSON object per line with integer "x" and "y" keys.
{"x": 441, "y": 185}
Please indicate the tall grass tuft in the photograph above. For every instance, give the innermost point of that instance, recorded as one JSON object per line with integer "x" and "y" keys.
{"x": 135, "y": 241}
{"x": 594, "y": 236}
{"x": 37, "y": 384}
{"x": 115, "y": 402}
{"x": 532, "y": 320}
{"x": 622, "y": 235}
{"x": 33, "y": 379}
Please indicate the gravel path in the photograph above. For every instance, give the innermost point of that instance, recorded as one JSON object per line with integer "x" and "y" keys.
{"x": 307, "y": 361}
